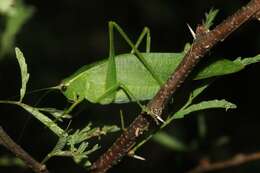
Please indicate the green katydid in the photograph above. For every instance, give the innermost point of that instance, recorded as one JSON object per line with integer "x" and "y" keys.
{"x": 121, "y": 78}
{"x": 134, "y": 76}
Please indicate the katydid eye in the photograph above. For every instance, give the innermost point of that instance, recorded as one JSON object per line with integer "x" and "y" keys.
{"x": 63, "y": 88}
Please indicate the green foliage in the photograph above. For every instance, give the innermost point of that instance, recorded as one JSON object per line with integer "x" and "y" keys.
{"x": 5, "y": 6}
{"x": 42, "y": 118}
{"x": 204, "y": 105}
{"x": 223, "y": 66}
{"x": 213, "y": 69}
{"x": 218, "y": 68}
{"x": 24, "y": 74}
{"x": 209, "y": 18}
{"x": 73, "y": 145}
{"x": 248, "y": 61}
{"x": 202, "y": 127}
{"x": 6, "y": 161}
{"x": 15, "y": 14}
{"x": 170, "y": 142}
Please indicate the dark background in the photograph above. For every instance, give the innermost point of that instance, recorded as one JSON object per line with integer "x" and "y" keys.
{"x": 64, "y": 35}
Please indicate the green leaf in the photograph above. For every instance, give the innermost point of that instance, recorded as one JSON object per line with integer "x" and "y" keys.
{"x": 80, "y": 135}
{"x": 197, "y": 91}
{"x": 5, "y": 6}
{"x": 110, "y": 129}
{"x": 205, "y": 105}
{"x": 202, "y": 126}
{"x": 225, "y": 66}
{"x": 24, "y": 74}
{"x": 40, "y": 116}
{"x": 209, "y": 18}
{"x": 248, "y": 61}
{"x": 87, "y": 163}
{"x": 15, "y": 19}
{"x": 10, "y": 161}
{"x": 43, "y": 119}
{"x": 169, "y": 141}
{"x": 219, "y": 68}
{"x": 200, "y": 88}
{"x": 81, "y": 153}
{"x": 58, "y": 147}
{"x": 88, "y": 132}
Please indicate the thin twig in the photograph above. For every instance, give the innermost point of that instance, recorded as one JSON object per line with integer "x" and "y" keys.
{"x": 7, "y": 142}
{"x": 204, "y": 41}
{"x": 237, "y": 160}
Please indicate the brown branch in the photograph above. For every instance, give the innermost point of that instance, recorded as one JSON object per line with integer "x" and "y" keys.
{"x": 234, "y": 161}
{"x": 201, "y": 45}
{"x": 7, "y": 142}
{"x": 257, "y": 15}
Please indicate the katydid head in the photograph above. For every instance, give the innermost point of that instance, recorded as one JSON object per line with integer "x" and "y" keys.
{"x": 76, "y": 87}
{"x": 72, "y": 90}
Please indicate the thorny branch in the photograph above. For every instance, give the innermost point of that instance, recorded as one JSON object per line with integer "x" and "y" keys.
{"x": 234, "y": 161}
{"x": 204, "y": 41}
{"x": 7, "y": 142}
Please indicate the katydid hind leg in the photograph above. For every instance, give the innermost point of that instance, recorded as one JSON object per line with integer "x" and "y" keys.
{"x": 111, "y": 78}
{"x": 122, "y": 120}
{"x": 114, "y": 89}
{"x": 144, "y": 108}
{"x": 153, "y": 113}
{"x": 136, "y": 51}
{"x": 109, "y": 91}
{"x": 145, "y": 32}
